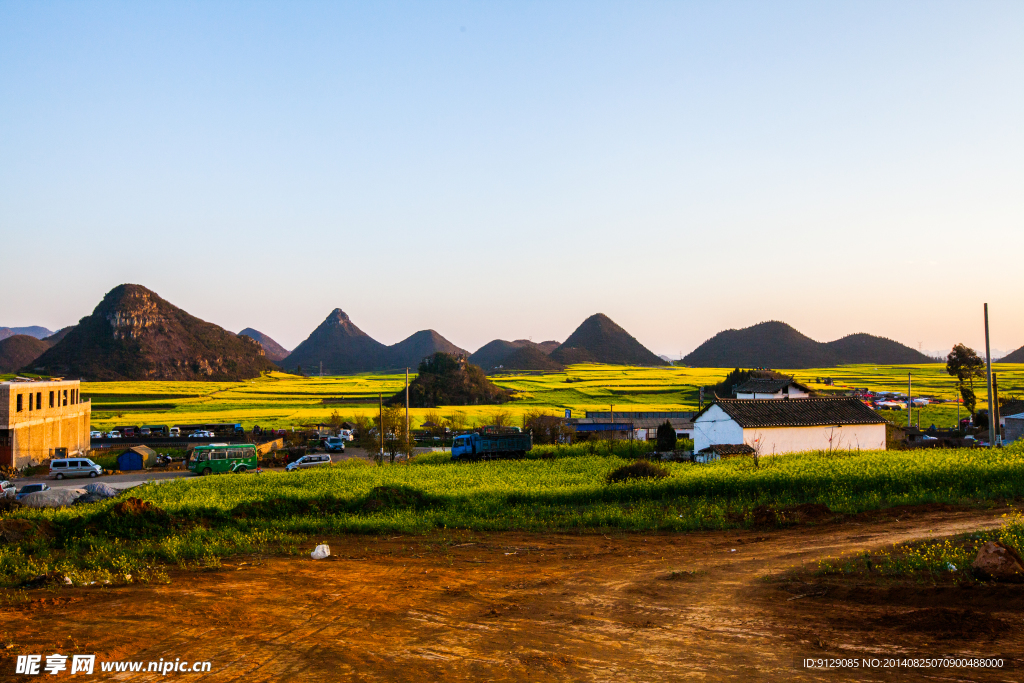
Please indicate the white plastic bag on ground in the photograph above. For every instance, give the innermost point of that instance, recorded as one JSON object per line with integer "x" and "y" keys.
{"x": 321, "y": 552}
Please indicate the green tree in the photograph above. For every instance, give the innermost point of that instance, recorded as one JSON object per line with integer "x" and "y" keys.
{"x": 666, "y": 437}
{"x": 964, "y": 364}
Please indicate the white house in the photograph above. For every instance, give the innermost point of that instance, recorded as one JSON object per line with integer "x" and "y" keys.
{"x": 773, "y": 426}
{"x": 766, "y": 387}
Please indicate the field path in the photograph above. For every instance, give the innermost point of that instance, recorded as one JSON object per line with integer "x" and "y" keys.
{"x": 518, "y": 607}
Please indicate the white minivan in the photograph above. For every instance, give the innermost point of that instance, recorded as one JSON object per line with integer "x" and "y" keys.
{"x": 74, "y": 467}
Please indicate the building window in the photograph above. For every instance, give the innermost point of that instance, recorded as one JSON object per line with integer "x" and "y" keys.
{"x": 65, "y": 397}
{"x": 51, "y": 399}
{"x": 39, "y": 400}
{"x": 20, "y": 402}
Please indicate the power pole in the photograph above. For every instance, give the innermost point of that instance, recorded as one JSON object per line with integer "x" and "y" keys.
{"x": 995, "y": 408}
{"x": 992, "y": 429}
{"x": 407, "y": 452}
{"x": 909, "y": 402}
{"x": 380, "y": 397}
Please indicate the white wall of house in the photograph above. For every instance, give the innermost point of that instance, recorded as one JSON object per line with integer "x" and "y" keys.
{"x": 714, "y": 427}
{"x": 795, "y": 439}
{"x": 794, "y": 392}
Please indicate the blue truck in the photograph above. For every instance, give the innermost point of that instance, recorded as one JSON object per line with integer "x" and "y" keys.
{"x": 491, "y": 444}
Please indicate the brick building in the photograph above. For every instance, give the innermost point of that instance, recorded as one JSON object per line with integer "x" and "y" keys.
{"x": 38, "y": 419}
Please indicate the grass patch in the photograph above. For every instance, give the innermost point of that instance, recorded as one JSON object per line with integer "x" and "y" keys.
{"x": 189, "y": 521}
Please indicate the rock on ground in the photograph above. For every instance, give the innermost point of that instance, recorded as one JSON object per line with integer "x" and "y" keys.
{"x": 998, "y": 562}
{"x": 54, "y": 498}
{"x": 102, "y": 490}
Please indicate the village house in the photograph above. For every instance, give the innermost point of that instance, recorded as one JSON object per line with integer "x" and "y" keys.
{"x": 773, "y": 426}
{"x": 767, "y": 387}
{"x": 641, "y": 426}
{"x": 41, "y": 420}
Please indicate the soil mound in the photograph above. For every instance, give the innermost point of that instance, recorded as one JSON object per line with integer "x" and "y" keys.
{"x": 17, "y": 530}
{"x": 638, "y": 470}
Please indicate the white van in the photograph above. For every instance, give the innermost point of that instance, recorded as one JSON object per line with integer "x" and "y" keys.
{"x": 74, "y": 467}
{"x": 175, "y": 431}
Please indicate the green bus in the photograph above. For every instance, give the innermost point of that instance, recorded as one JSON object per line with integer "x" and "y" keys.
{"x": 221, "y": 457}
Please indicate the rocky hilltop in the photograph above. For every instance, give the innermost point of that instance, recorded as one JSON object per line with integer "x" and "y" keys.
{"x": 599, "y": 340}
{"x": 133, "y": 334}
{"x": 341, "y": 347}
{"x": 274, "y": 351}
{"x": 444, "y": 379}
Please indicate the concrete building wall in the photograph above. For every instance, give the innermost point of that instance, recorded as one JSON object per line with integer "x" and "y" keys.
{"x": 1014, "y": 428}
{"x": 795, "y": 439}
{"x": 714, "y": 427}
{"x": 36, "y": 418}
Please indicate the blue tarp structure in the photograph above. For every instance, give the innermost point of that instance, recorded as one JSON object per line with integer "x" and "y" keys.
{"x": 136, "y": 458}
{"x": 128, "y": 461}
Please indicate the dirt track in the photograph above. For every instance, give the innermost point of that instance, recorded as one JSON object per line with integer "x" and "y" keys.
{"x": 520, "y": 607}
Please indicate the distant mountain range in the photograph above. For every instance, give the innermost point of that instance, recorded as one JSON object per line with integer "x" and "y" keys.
{"x": 274, "y": 351}
{"x": 19, "y": 350}
{"x": 344, "y": 348}
{"x": 775, "y": 344}
{"x": 1015, "y": 357}
{"x": 32, "y": 331}
{"x": 521, "y": 354}
{"x": 133, "y": 334}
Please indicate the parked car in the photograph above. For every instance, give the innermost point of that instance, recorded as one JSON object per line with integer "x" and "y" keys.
{"x": 30, "y": 488}
{"x": 113, "y": 435}
{"x": 201, "y": 434}
{"x": 334, "y": 444}
{"x": 145, "y": 431}
{"x": 7, "y": 490}
{"x": 74, "y": 467}
{"x": 95, "y": 435}
{"x": 346, "y": 434}
{"x": 308, "y": 461}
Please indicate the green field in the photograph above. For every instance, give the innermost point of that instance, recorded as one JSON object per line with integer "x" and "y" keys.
{"x": 283, "y": 400}
{"x": 557, "y": 489}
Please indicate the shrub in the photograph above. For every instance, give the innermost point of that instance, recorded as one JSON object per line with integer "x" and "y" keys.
{"x": 642, "y": 469}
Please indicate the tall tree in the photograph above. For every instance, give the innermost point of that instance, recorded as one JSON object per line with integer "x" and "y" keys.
{"x": 666, "y": 437}
{"x": 964, "y": 364}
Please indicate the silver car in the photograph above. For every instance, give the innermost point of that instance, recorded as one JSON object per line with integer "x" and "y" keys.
{"x": 74, "y": 467}
{"x": 7, "y": 489}
{"x": 307, "y": 461}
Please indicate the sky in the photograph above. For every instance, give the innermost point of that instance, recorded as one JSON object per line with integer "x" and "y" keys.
{"x": 507, "y": 169}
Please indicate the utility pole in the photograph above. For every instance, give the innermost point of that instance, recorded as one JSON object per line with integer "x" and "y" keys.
{"x": 910, "y": 403}
{"x": 321, "y": 368}
{"x": 380, "y": 397}
{"x": 407, "y": 452}
{"x": 995, "y": 409}
{"x": 992, "y": 429}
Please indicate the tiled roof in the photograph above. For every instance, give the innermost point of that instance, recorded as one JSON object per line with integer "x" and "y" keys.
{"x": 797, "y": 412}
{"x": 767, "y": 385}
{"x": 727, "y": 449}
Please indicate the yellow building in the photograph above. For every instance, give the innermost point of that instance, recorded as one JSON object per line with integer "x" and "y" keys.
{"x": 41, "y": 420}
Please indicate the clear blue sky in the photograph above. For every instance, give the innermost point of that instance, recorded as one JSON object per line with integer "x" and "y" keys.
{"x": 495, "y": 169}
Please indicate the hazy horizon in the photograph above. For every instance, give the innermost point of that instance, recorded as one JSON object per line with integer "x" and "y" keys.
{"x": 505, "y": 170}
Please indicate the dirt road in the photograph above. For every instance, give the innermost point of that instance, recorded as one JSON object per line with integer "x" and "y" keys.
{"x": 537, "y": 607}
